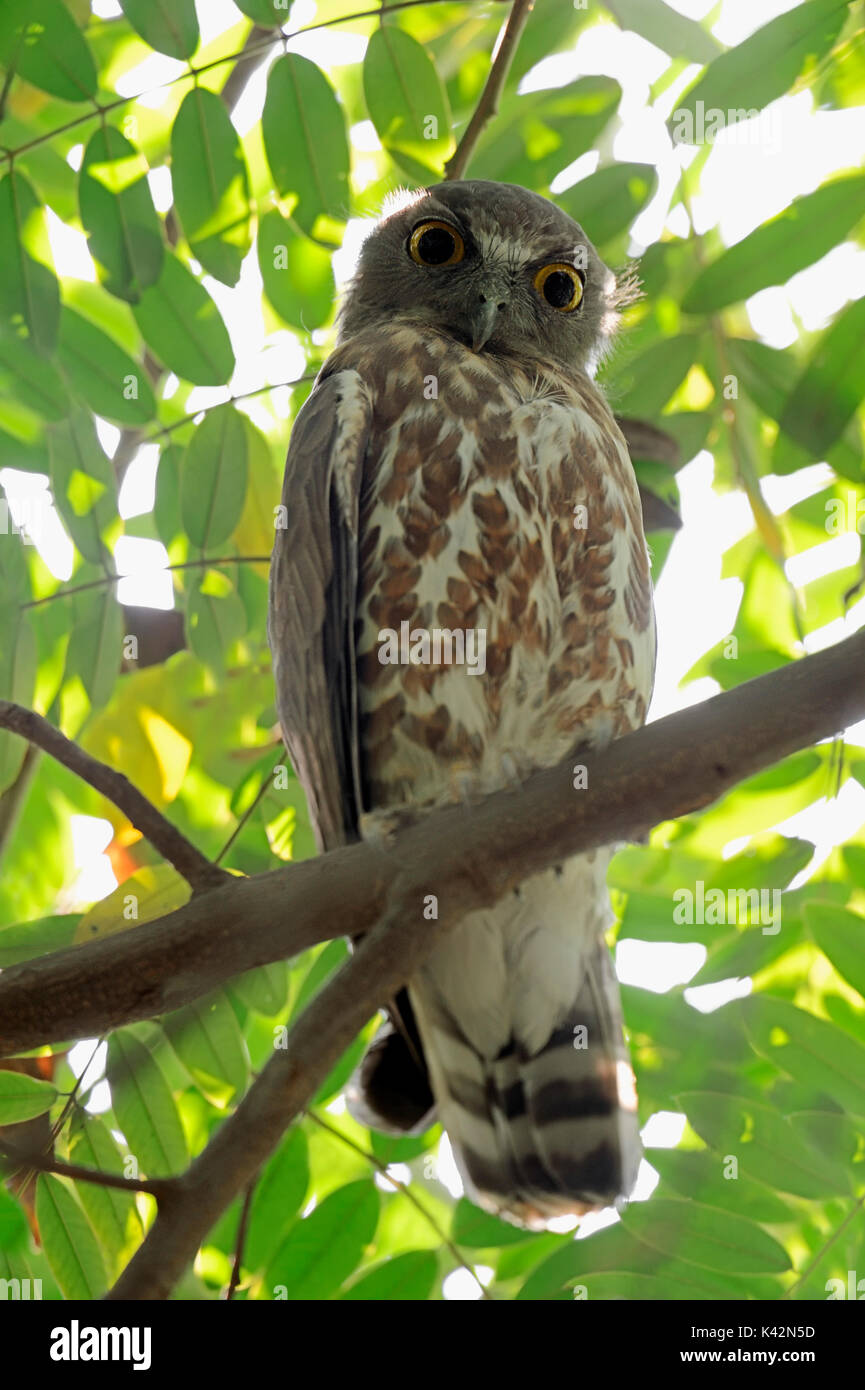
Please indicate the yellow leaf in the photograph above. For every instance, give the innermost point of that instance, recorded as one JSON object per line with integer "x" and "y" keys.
{"x": 172, "y": 750}
{"x": 151, "y": 892}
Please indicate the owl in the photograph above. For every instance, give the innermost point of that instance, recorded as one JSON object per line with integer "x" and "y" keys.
{"x": 461, "y": 594}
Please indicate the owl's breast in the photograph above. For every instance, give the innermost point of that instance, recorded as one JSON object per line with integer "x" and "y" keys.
{"x": 504, "y": 610}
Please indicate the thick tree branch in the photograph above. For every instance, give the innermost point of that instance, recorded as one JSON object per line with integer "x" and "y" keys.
{"x": 675, "y": 766}
{"x": 195, "y": 867}
{"x": 488, "y": 104}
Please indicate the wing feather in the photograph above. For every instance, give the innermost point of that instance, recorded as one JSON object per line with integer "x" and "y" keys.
{"x": 313, "y": 581}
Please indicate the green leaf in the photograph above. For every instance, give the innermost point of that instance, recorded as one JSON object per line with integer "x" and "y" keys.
{"x": 27, "y": 940}
{"x": 339, "y": 1074}
{"x": 68, "y": 1241}
{"x": 765, "y": 1145}
{"x": 210, "y": 183}
{"x": 305, "y": 141}
{"x": 477, "y": 1229}
{"x": 771, "y": 254}
{"x": 264, "y": 989}
{"x": 182, "y": 325}
{"x": 407, "y": 102}
{"x": 832, "y": 385}
{"x": 214, "y": 620}
{"x": 297, "y": 274}
{"x": 624, "y": 1285}
{"x": 13, "y": 1225}
{"x": 836, "y": 1135}
{"x": 166, "y": 510}
{"x": 112, "y": 1213}
{"x": 551, "y": 28}
{"x": 213, "y": 481}
{"x": 757, "y": 71}
{"x": 41, "y": 42}
{"x": 406, "y": 1277}
{"x": 118, "y": 214}
{"x": 705, "y": 1236}
{"x": 645, "y": 384}
{"x": 14, "y": 574}
{"x": 395, "y": 1148}
{"x": 22, "y": 1097}
{"x": 766, "y": 373}
{"x": 28, "y": 377}
{"x": 841, "y": 937}
{"x": 279, "y": 1195}
{"x": 268, "y": 13}
{"x": 323, "y": 1249}
{"x": 102, "y": 373}
{"x": 615, "y": 1250}
{"x": 607, "y": 202}
{"x": 326, "y": 963}
{"x": 665, "y": 28}
{"x": 83, "y": 483}
{"x": 96, "y": 644}
{"x": 18, "y": 664}
{"x": 29, "y": 293}
{"x": 144, "y": 1106}
{"x": 207, "y": 1038}
{"x": 169, "y": 26}
{"x": 821, "y": 1056}
{"x": 538, "y": 134}
{"x": 699, "y": 1174}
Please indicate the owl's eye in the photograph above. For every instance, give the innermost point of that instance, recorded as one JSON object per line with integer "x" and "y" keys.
{"x": 435, "y": 243}
{"x": 560, "y": 285}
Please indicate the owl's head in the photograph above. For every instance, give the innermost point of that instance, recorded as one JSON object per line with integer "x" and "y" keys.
{"x": 499, "y": 268}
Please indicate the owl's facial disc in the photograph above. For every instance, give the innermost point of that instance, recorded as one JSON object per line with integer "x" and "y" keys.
{"x": 492, "y": 265}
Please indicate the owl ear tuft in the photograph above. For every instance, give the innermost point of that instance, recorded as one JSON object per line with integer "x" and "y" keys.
{"x": 628, "y": 286}
{"x": 400, "y": 200}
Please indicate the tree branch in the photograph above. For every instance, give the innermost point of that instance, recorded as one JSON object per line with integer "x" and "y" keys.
{"x": 160, "y": 1188}
{"x": 677, "y": 765}
{"x": 488, "y": 104}
{"x": 195, "y": 867}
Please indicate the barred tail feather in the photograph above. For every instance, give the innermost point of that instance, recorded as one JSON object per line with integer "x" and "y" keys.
{"x": 544, "y": 1134}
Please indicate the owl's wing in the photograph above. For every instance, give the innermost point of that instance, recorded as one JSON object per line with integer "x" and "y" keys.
{"x": 313, "y": 578}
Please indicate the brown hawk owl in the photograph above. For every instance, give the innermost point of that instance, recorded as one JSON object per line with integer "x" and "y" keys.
{"x": 456, "y": 471}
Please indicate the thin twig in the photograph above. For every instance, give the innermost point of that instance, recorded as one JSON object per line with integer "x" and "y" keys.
{"x": 242, "y": 1226}
{"x": 241, "y": 396}
{"x": 157, "y": 1187}
{"x": 13, "y": 798}
{"x": 488, "y": 104}
{"x": 406, "y": 1192}
{"x": 805, "y": 1275}
{"x": 202, "y": 563}
{"x": 259, "y": 796}
{"x": 195, "y": 867}
{"x": 103, "y": 109}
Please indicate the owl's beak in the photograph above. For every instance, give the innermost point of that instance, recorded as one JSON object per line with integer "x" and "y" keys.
{"x": 483, "y": 322}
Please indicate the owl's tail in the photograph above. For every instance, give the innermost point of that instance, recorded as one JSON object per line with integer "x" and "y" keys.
{"x": 547, "y": 1134}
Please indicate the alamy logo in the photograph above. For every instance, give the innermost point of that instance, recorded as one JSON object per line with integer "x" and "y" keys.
{"x": 854, "y": 1288}
{"x": 736, "y": 907}
{"x": 76, "y": 1343}
{"x": 438, "y": 646}
{"x": 20, "y": 1290}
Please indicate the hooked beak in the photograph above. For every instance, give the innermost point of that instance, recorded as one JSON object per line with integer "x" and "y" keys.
{"x": 483, "y": 321}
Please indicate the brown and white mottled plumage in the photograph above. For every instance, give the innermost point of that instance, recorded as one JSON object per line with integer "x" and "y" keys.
{"x": 432, "y": 478}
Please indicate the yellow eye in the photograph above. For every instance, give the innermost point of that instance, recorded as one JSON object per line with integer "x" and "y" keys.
{"x": 436, "y": 243}
{"x": 560, "y": 285}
